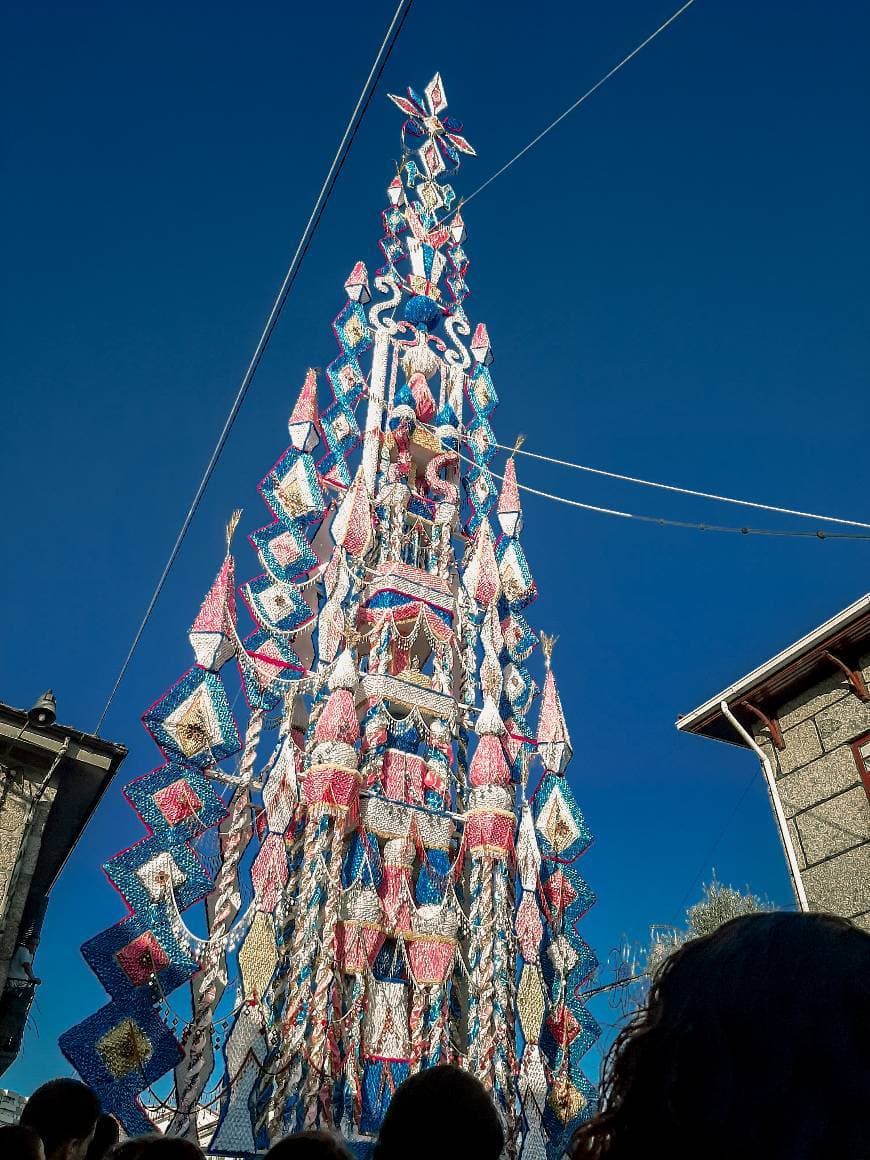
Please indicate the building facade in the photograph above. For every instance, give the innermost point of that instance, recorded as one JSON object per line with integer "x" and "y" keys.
{"x": 51, "y": 779}
{"x": 11, "y": 1107}
{"x": 807, "y": 710}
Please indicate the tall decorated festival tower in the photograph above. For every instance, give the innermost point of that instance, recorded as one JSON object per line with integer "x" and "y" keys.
{"x": 377, "y": 873}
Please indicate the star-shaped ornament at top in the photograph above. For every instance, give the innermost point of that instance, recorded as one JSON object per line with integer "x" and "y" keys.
{"x": 444, "y": 141}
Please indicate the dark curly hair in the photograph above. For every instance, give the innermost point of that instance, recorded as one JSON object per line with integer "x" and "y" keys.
{"x": 754, "y": 1041}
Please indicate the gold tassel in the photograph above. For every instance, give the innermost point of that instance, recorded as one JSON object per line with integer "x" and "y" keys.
{"x": 548, "y": 643}
{"x": 232, "y": 525}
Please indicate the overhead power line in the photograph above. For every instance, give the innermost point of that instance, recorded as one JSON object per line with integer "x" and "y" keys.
{"x": 576, "y": 105}
{"x": 669, "y": 523}
{"x": 353, "y": 125}
{"x": 767, "y": 507}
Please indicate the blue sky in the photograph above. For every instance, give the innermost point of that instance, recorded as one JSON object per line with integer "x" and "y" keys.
{"x": 675, "y": 286}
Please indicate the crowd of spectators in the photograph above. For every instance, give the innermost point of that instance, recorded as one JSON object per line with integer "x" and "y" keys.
{"x": 754, "y": 1042}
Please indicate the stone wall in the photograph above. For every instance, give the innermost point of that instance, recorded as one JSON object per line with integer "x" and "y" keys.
{"x": 25, "y": 802}
{"x": 823, "y": 796}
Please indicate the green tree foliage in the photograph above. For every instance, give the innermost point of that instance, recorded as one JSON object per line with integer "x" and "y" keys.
{"x": 718, "y": 904}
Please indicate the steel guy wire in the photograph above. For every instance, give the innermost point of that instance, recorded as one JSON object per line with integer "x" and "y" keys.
{"x": 669, "y": 523}
{"x": 302, "y": 248}
{"x": 783, "y": 511}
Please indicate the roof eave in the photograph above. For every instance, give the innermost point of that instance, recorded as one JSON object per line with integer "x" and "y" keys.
{"x": 699, "y": 720}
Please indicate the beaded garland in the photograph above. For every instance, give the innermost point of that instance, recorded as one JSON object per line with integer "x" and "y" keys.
{"x": 361, "y": 884}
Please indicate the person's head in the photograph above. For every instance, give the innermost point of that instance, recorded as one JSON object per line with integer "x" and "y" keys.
{"x": 309, "y": 1146}
{"x": 755, "y": 1039}
{"x": 106, "y": 1135}
{"x": 157, "y": 1148}
{"x": 20, "y": 1143}
{"x": 439, "y": 1112}
{"x": 64, "y": 1113}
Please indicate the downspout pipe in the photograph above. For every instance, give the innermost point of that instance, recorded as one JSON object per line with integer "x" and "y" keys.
{"x": 784, "y": 833}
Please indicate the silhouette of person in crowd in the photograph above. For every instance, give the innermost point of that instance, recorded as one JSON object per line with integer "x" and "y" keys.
{"x": 309, "y": 1146}
{"x": 754, "y": 1041}
{"x": 64, "y": 1114}
{"x": 20, "y": 1143}
{"x": 106, "y": 1135}
{"x": 438, "y": 1113}
{"x": 157, "y": 1148}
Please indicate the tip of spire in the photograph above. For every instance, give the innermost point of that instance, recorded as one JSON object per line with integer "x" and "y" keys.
{"x": 554, "y": 740}
{"x": 481, "y": 347}
{"x": 510, "y": 509}
{"x": 213, "y": 634}
{"x": 396, "y": 191}
{"x": 458, "y": 231}
{"x": 302, "y": 424}
{"x": 357, "y": 284}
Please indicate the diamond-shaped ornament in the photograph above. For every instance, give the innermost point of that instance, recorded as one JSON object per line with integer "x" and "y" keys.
{"x": 562, "y": 1024}
{"x": 430, "y": 156}
{"x": 562, "y": 955}
{"x": 556, "y": 822}
{"x": 258, "y": 956}
{"x": 193, "y": 719}
{"x": 559, "y": 891}
{"x": 481, "y": 390}
{"x": 436, "y": 98}
{"x": 292, "y": 489}
{"x": 160, "y": 873}
{"x": 516, "y": 578}
{"x": 481, "y": 440}
{"x": 528, "y": 852}
{"x": 458, "y": 286}
{"x": 284, "y": 550}
{"x": 566, "y": 1100}
{"x": 350, "y": 325}
{"x": 531, "y": 1002}
{"x": 278, "y": 608}
{"x": 125, "y": 1048}
{"x": 281, "y": 791}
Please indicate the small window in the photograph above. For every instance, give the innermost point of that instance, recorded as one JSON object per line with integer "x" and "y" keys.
{"x": 861, "y": 749}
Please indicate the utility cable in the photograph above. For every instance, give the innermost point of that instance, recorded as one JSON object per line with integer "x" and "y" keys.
{"x": 783, "y": 511}
{"x": 708, "y": 857}
{"x": 534, "y": 141}
{"x": 668, "y": 523}
{"x": 353, "y": 125}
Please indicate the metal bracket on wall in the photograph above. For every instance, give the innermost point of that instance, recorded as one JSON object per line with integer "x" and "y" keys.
{"x": 770, "y": 723}
{"x": 853, "y": 676}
